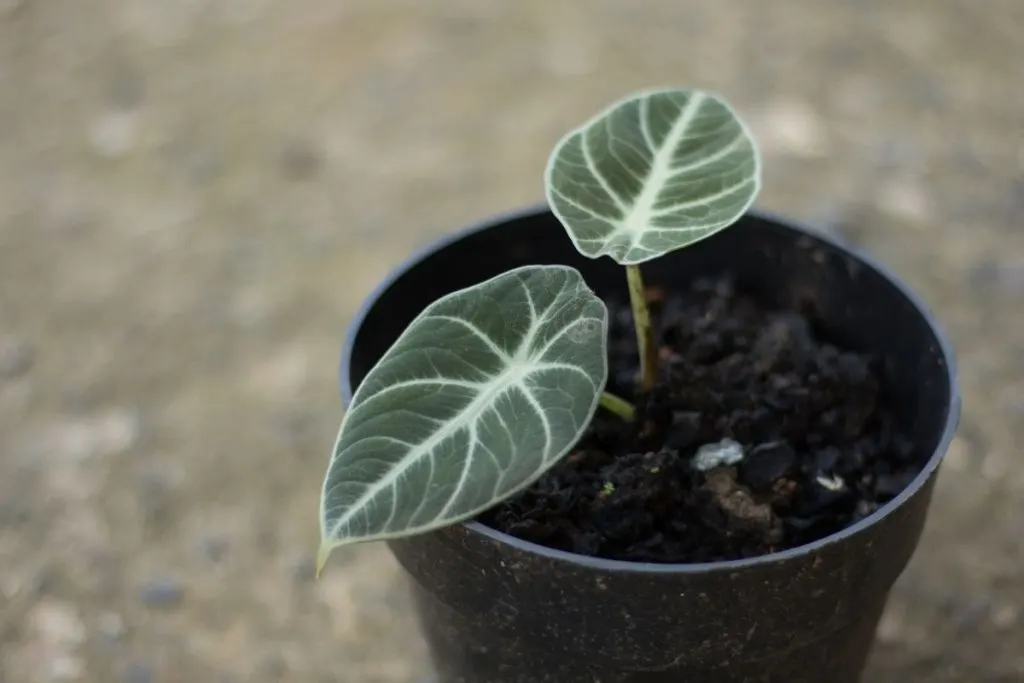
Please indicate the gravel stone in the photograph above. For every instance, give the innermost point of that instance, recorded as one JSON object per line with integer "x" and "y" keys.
{"x": 162, "y": 592}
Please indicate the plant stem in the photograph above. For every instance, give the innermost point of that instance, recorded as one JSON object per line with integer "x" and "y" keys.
{"x": 644, "y": 332}
{"x": 619, "y": 406}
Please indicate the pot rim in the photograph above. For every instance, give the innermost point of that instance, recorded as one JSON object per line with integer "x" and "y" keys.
{"x": 608, "y": 565}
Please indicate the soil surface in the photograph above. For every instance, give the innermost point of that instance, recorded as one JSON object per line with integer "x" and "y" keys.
{"x": 759, "y": 436}
{"x": 195, "y": 196}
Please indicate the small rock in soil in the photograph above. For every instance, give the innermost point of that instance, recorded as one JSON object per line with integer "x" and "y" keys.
{"x": 738, "y": 504}
{"x": 825, "y": 461}
{"x": 888, "y": 486}
{"x": 767, "y": 463}
{"x": 684, "y": 430}
{"x": 162, "y": 592}
{"x": 822, "y": 494}
{"x": 863, "y": 509}
{"x": 722, "y": 454}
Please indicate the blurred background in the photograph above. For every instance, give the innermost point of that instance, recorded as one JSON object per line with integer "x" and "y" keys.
{"x": 196, "y": 195}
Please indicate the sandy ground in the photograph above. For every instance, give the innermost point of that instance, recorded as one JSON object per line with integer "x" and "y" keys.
{"x": 195, "y": 196}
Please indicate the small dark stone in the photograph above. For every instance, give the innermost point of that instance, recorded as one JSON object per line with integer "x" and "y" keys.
{"x": 684, "y": 430}
{"x": 767, "y": 463}
{"x": 819, "y": 498}
{"x": 825, "y": 460}
{"x": 856, "y": 456}
{"x": 624, "y": 378}
{"x": 853, "y": 369}
{"x": 214, "y": 548}
{"x": 888, "y": 486}
{"x": 622, "y": 318}
{"x": 707, "y": 348}
{"x": 804, "y": 527}
{"x": 162, "y": 592}
{"x": 902, "y": 448}
{"x": 137, "y": 672}
{"x": 863, "y": 509}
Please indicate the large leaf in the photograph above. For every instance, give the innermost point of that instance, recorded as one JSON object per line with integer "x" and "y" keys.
{"x": 480, "y": 395}
{"x": 653, "y": 173}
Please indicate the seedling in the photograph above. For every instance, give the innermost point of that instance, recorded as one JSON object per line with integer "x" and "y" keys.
{"x": 492, "y": 385}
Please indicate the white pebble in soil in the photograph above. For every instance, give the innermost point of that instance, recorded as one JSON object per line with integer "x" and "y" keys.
{"x": 722, "y": 454}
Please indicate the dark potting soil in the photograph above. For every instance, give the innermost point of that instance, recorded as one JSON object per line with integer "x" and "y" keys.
{"x": 819, "y": 448}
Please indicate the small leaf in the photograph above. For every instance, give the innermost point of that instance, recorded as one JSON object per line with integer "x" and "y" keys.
{"x": 488, "y": 388}
{"x": 653, "y": 173}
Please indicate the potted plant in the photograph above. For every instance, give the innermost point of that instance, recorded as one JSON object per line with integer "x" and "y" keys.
{"x": 692, "y": 464}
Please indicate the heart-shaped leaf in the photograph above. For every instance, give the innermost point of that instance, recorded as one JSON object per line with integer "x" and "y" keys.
{"x": 478, "y": 397}
{"x": 653, "y": 173}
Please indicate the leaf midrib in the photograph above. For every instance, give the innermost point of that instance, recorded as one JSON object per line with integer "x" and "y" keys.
{"x": 512, "y": 377}
{"x": 642, "y": 210}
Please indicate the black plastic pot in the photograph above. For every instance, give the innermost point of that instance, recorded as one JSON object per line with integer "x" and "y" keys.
{"x": 495, "y": 609}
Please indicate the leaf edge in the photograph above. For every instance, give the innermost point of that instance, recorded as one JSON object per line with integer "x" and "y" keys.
{"x": 327, "y": 544}
{"x": 608, "y": 109}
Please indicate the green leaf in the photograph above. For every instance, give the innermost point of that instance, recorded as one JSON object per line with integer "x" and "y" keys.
{"x": 488, "y": 388}
{"x": 653, "y": 173}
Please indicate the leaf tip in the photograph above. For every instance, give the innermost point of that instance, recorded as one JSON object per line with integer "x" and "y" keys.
{"x": 322, "y": 554}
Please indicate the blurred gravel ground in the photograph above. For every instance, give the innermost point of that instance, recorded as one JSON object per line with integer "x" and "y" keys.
{"x": 195, "y": 196}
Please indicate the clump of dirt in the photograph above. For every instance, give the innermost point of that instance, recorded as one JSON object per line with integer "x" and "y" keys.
{"x": 759, "y": 436}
